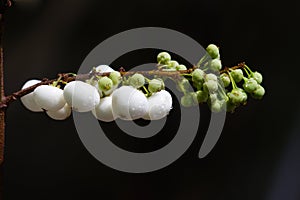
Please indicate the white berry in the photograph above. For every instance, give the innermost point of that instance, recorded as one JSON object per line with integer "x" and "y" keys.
{"x": 129, "y": 103}
{"x": 81, "y": 96}
{"x": 160, "y": 104}
{"x": 28, "y": 100}
{"x": 49, "y": 97}
{"x": 103, "y": 111}
{"x": 60, "y": 114}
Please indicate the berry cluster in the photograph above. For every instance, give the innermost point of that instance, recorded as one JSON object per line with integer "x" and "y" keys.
{"x": 142, "y": 97}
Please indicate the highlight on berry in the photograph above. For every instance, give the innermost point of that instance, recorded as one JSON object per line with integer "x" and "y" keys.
{"x": 111, "y": 94}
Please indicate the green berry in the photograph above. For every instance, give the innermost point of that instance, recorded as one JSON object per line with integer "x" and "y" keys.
{"x": 217, "y": 106}
{"x": 213, "y": 97}
{"x": 136, "y": 80}
{"x": 257, "y": 76}
{"x": 230, "y": 107}
{"x": 237, "y": 96}
{"x": 163, "y": 58}
{"x": 225, "y": 79}
{"x": 189, "y": 99}
{"x": 172, "y": 64}
{"x": 212, "y": 77}
{"x": 258, "y": 93}
{"x": 156, "y": 85}
{"x": 211, "y": 86}
{"x": 216, "y": 65}
{"x": 115, "y": 76}
{"x": 198, "y": 75}
{"x": 237, "y": 75}
{"x": 250, "y": 85}
{"x": 181, "y": 67}
{"x": 202, "y": 96}
{"x": 105, "y": 83}
{"x": 213, "y": 51}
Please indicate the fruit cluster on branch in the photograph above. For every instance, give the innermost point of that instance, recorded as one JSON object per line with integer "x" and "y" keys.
{"x": 111, "y": 94}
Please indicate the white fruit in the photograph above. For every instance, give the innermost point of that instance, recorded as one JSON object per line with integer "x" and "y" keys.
{"x": 28, "y": 100}
{"x": 103, "y": 111}
{"x": 160, "y": 104}
{"x": 60, "y": 114}
{"x": 104, "y": 68}
{"x": 49, "y": 97}
{"x": 81, "y": 96}
{"x": 129, "y": 103}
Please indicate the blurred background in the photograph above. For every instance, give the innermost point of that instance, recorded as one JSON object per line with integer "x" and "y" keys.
{"x": 257, "y": 156}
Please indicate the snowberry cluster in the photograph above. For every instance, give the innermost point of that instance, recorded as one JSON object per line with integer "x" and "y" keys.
{"x": 142, "y": 97}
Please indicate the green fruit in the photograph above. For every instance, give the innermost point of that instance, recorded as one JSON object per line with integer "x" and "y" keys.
{"x": 172, "y": 64}
{"x": 213, "y": 51}
{"x": 217, "y": 106}
{"x": 257, "y": 76}
{"x": 181, "y": 67}
{"x": 216, "y": 65}
{"x": 230, "y": 107}
{"x": 156, "y": 85}
{"x": 115, "y": 76}
{"x": 258, "y": 93}
{"x": 188, "y": 100}
{"x": 212, "y": 77}
{"x": 237, "y": 75}
{"x": 213, "y": 98}
{"x": 202, "y": 96}
{"x": 198, "y": 76}
{"x": 237, "y": 96}
{"x": 225, "y": 79}
{"x": 136, "y": 80}
{"x": 105, "y": 83}
{"x": 163, "y": 58}
{"x": 250, "y": 85}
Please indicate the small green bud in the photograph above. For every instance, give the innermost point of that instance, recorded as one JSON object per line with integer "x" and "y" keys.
{"x": 259, "y": 92}
{"x": 136, "y": 80}
{"x": 257, "y": 76}
{"x": 163, "y": 58}
{"x": 237, "y": 75}
{"x": 217, "y": 106}
{"x": 181, "y": 67}
{"x": 250, "y": 85}
{"x": 172, "y": 64}
{"x": 216, "y": 65}
{"x": 213, "y": 97}
{"x": 189, "y": 99}
{"x": 225, "y": 79}
{"x": 213, "y": 51}
{"x": 105, "y": 83}
{"x": 198, "y": 75}
{"x": 115, "y": 76}
{"x": 156, "y": 85}
{"x": 202, "y": 96}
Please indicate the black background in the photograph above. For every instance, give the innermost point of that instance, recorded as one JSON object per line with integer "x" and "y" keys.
{"x": 257, "y": 156}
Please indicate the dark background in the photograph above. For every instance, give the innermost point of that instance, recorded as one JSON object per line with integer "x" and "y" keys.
{"x": 257, "y": 156}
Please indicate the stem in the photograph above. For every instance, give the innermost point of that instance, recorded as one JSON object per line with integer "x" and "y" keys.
{"x": 232, "y": 81}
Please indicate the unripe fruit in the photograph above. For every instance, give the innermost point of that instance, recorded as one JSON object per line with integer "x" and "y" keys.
{"x": 81, "y": 96}
{"x": 250, "y": 85}
{"x": 160, "y": 104}
{"x": 60, "y": 114}
{"x": 136, "y": 80}
{"x": 211, "y": 76}
{"x": 237, "y": 96}
{"x": 225, "y": 79}
{"x": 198, "y": 75}
{"x": 258, "y": 77}
{"x": 155, "y": 85}
{"x": 129, "y": 103}
{"x": 105, "y": 83}
{"x": 213, "y": 51}
{"x": 237, "y": 75}
{"x": 216, "y": 65}
{"x": 202, "y": 96}
{"x": 258, "y": 93}
{"x": 115, "y": 76}
{"x": 210, "y": 86}
{"x": 103, "y": 111}
{"x": 28, "y": 100}
{"x": 181, "y": 67}
{"x": 163, "y": 58}
{"x": 172, "y": 64}
{"x": 49, "y": 97}
{"x": 189, "y": 99}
